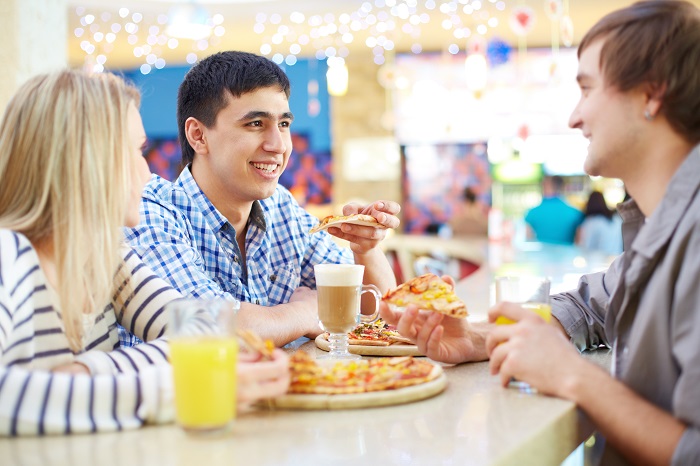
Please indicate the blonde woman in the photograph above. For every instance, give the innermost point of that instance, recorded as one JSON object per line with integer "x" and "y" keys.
{"x": 71, "y": 175}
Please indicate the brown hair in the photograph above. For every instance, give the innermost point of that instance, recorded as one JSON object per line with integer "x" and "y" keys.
{"x": 655, "y": 42}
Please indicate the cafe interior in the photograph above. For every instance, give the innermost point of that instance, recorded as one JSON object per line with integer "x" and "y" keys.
{"x": 403, "y": 100}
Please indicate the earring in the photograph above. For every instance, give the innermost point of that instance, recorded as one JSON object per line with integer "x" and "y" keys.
{"x": 648, "y": 116}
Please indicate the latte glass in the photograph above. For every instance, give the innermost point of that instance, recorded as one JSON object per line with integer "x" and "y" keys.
{"x": 339, "y": 288}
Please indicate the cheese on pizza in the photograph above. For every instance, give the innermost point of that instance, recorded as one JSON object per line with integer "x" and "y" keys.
{"x": 428, "y": 292}
{"x": 362, "y": 376}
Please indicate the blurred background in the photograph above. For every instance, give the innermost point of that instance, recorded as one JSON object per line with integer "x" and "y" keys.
{"x": 409, "y": 100}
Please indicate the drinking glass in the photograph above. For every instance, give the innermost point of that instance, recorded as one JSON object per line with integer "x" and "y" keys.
{"x": 203, "y": 354}
{"x": 339, "y": 288}
{"x": 531, "y": 293}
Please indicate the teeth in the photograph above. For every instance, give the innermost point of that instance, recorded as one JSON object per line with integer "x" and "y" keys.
{"x": 268, "y": 167}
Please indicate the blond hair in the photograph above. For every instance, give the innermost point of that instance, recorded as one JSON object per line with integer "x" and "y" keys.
{"x": 65, "y": 180}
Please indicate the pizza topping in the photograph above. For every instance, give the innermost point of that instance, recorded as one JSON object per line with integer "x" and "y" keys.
{"x": 428, "y": 292}
{"x": 377, "y": 333}
{"x": 366, "y": 375}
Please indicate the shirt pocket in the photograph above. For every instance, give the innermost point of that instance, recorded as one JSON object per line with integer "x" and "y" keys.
{"x": 282, "y": 282}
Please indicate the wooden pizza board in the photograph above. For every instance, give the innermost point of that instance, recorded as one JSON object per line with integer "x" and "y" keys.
{"x": 391, "y": 350}
{"x": 360, "y": 400}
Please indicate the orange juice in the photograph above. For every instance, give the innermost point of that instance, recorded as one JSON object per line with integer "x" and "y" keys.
{"x": 204, "y": 369}
{"x": 541, "y": 309}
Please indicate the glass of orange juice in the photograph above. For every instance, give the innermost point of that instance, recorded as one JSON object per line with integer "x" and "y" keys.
{"x": 203, "y": 353}
{"x": 531, "y": 293}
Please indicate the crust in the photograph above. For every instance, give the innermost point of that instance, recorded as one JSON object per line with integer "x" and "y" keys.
{"x": 355, "y": 219}
{"x": 428, "y": 292}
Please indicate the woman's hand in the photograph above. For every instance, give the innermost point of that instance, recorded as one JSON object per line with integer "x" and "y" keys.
{"x": 261, "y": 379}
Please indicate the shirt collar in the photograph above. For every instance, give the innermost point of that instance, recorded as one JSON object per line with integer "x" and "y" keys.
{"x": 663, "y": 221}
{"x": 214, "y": 218}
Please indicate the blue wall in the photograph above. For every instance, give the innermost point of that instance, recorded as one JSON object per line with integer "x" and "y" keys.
{"x": 159, "y": 101}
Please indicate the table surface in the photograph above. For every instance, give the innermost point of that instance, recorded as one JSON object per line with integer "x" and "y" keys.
{"x": 474, "y": 421}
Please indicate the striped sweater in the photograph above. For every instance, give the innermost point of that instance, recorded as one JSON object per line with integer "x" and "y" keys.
{"x": 127, "y": 387}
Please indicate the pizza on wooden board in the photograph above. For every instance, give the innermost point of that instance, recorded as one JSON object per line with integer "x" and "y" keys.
{"x": 337, "y": 220}
{"x": 428, "y": 292}
{"x": 361, "y": 376}
{"x": 377, "y": 333}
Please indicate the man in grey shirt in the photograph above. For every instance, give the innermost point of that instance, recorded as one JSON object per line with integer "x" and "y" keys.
{"x": 640, "y": 110}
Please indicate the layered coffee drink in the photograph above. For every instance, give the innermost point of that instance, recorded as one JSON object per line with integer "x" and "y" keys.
{"x": 338, "y": 307}
{"x": 338, "y": 290}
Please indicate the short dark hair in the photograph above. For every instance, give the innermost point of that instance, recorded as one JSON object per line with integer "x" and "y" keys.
{"x": 655, "y": 42}
{"x": 206, "y": 88}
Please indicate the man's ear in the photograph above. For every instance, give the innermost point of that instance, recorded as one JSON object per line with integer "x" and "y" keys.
{"x": 194, "y": 131}
{"x": 654, "y": 96}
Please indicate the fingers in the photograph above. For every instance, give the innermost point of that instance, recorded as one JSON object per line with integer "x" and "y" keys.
{"x": 384, "y": 211}
{"x": 406, "y": 324}
{"x": 426, "y": 330}
{"x": 389, "y": 316}
{"x": 511, "y": 311}
{"x": 449, "y": 280}
{"x": 266, "y": 379}
{"x": 432, "y": 345}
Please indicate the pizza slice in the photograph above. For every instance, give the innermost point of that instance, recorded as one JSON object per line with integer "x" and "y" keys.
{"x": 255, "y": 345}
{"x": 377, "y": 333}
{"x": 428, "y": 292}
{"x": 337, "y": 220}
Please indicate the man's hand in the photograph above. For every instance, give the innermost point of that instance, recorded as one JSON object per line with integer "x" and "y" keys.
{"x": 365, "y": 238}
{"x": 531, "y": 351}
{"x": 441, "y": 338}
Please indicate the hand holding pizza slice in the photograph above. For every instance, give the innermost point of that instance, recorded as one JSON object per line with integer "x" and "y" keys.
{"x": 355, "y": 219}
{"x": 428, "y": 292}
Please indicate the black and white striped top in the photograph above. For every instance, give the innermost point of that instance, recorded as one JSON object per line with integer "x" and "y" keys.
{"x": 127, "y": 387}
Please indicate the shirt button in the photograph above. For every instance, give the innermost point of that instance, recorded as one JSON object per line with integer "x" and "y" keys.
{"x": 235, "y": 259}
{"x": 273, "y": 278}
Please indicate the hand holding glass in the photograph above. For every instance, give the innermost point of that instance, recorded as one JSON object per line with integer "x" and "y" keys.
{"x": 203, "y": 353}
{"x": 339, "y": 288}
{"x": 531, "y": 293}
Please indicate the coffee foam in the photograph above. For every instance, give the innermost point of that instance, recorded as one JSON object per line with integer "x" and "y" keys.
{"x": 339, "y": 274}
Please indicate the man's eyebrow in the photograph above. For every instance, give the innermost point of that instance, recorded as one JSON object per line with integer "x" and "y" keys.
{"x": 255, "y": 114}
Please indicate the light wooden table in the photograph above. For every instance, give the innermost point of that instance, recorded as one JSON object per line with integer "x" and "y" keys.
{"x": 475, "y": 421}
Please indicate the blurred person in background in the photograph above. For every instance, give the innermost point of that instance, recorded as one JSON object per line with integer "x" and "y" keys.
{"x": 601, "y": 229}
{"x": 72, "y": 174}
{"x": 553, "y": 220}
{"x": 471, "y": 217}
{"x": 640, "y": 110}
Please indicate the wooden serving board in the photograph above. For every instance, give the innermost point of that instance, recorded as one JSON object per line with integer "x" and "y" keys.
{"x": 391, "y": 350}
{"x": 360, "y": 400}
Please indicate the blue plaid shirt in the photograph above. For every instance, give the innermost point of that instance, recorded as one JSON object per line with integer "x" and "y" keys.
{"x": 189, "y": 243}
